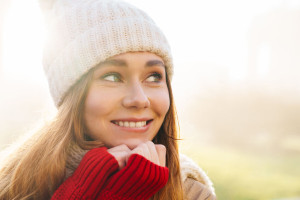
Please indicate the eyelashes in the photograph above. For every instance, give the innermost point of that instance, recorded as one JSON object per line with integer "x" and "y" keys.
{"x": 154, "y": 77}
{"x": 112, "y": 77}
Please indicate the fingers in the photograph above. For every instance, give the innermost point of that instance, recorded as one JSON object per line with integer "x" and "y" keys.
{"x": 161, "y": 152}
{"x": 121, "y": 147}
{"x": 152, "y": 152}
{"x": 120, "y": 153}
{"x": 155, "y": 153}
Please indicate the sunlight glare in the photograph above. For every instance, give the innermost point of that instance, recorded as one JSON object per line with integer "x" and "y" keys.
{"x": 22, "y": 41}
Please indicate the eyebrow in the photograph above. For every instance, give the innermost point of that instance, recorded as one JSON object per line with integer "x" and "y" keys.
{"x": 122, "y": 63}
{"x": 151, "y": 63}
{"x": 115, "y": 62}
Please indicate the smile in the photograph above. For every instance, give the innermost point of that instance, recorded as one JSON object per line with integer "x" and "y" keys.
{"x": 132, "y": 124}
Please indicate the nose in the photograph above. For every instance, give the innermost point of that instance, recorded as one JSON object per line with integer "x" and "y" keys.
{"x": 136, "y": 97}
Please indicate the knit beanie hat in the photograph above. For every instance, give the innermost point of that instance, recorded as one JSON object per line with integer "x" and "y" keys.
{"x": 84, "y": 33}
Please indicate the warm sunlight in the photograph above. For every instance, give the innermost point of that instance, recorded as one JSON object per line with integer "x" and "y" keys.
{"x": 22, "y": 41}
{"x": 236, "y": 86}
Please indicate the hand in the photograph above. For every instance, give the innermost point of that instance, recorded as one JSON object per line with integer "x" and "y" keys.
{"x": 121, "y": 154}
{"x": 156, "y": 153}
{"x": 144, "y": 174}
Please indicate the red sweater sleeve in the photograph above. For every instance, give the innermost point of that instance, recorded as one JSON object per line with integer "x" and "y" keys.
{"x": 97, "y": 177}
{"x": 90, "y": 176}
{"x": 139, "y": 179}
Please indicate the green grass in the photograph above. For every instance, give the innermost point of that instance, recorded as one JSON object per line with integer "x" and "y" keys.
{"x": 248, "y": 176}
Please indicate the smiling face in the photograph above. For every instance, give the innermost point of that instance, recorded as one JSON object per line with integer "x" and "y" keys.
{"x": 127, "y": 100}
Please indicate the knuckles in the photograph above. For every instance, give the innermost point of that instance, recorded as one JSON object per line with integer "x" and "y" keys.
{"x": 149, "y": 150}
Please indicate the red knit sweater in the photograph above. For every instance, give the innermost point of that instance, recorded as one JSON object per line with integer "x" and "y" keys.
{"x": 97, "y": 177}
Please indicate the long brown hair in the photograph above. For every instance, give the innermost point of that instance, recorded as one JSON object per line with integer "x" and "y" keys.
{"x": 36, "y": 168}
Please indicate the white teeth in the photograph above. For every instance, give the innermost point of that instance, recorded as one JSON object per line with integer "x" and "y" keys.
{"x": 126, "y": 124}
{"x": 131, "y": 124}
{"x": 138, "y": 124}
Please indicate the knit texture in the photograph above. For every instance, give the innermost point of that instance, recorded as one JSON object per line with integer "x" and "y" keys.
{"x": 189, "y": 169}
{"x": 97, "y": 177}
{"x": 84, "y": 33}
{"x": 194, "y": 179}
{"x": 140, "y": 179}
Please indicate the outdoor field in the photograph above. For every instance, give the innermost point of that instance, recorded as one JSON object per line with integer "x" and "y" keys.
{"x": 249, "y": 176}
{"x": 247, "y": 141}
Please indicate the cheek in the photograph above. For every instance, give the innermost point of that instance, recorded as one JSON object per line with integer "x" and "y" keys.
{"x": 98, "y": 104}
{"x": 94, "y": 104}
{"x": 161, "y": 101}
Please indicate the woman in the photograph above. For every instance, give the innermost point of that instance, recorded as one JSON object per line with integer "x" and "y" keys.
{"x": 115, "y": 133}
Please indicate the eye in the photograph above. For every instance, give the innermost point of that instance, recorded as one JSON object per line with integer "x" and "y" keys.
{"x": 155, "y": 77}
{"x": 112, "y": 77}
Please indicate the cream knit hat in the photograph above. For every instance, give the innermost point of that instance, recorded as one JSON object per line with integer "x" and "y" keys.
{"x": 83, "y": 33}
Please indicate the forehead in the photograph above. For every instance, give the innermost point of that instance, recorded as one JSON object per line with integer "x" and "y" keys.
{"x": 134, "y": 59}
{"x": 137, "y": 55}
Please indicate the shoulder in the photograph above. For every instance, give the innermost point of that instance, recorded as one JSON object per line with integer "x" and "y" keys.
{"x": 196, "y": 183}
{"x": 195, "y": 190}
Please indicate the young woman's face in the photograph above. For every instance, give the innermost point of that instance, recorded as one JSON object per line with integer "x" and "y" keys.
{"x": 128, "y": 99}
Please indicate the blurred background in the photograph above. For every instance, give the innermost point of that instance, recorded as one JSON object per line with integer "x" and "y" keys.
{"x": 236, "y": 87}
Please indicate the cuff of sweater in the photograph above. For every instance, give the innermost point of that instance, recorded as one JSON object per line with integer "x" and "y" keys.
{"x": 140, "y": 179}
{"x": 94, "y": 169}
